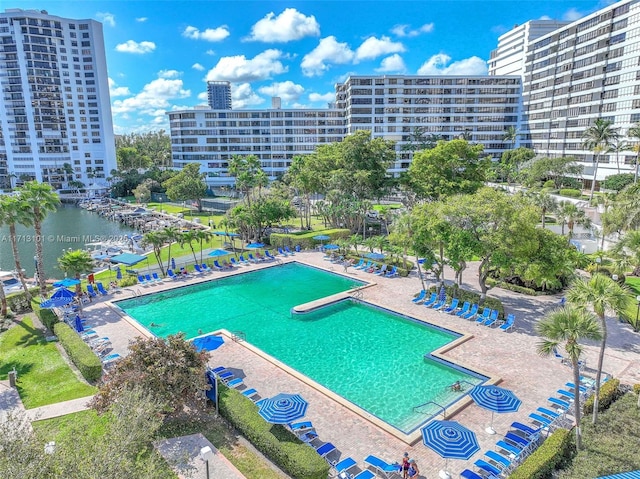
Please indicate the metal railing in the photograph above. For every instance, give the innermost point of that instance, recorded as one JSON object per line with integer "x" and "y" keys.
{"x": 238, "y": 336}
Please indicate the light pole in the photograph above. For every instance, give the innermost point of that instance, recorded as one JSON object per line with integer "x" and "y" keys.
{"x": 205, "y": 454}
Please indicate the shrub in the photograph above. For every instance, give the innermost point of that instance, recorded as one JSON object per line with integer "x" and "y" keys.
{"x": 274, "y": 441}
{"x": 636, "y": 388}
{"x": 128, "y": 281}
{"x": 609, "y": 393}
{"x": 79, "y": 352}
{"x": 549, "y": 184}
{"x": 473, "y": 297}
{"x": 46, "y": 316}
{"x": 18, "y": 303}
{"x": 617, "y": 182}
{"x": 512, "y": 287}
{"x": 305, "y": 239}
{"x": 544, "y": 461}
{"x": 570, "y": 192}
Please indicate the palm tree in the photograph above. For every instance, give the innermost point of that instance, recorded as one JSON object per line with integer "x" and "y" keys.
{"x": 603, "y": 295}
{"x": 634, "y": 132}
{"x": 568, "y": 325}
{"x": 511, "y": 135}
{"x": 354, "y": 240}
{"x": 568, "y": 213}
{"x": 3, "y": 302}
{"x": 544, "y": 202}
{"x": 76, "y": 263}
{"x": 598, "y": 138}
{"x": 628, "y": 249}
{"x": 156, "y": 240}
{"x": 188, "y": 237}
{"x": 15, "y": 211}
{"x": 41, "y": 200}
{"x": 171, "y": 234}
{"x": 202, "y": 236}
{"x": 616, "y": 147}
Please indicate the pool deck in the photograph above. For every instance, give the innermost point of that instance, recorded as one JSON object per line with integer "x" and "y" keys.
{"x": 509, "y": 356}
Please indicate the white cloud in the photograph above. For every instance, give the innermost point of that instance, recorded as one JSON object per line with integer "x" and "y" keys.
{"x": 197, "y": 66}
{"x": 286, "y": 90}
{"x": 115, "y": 90}
{"x": 572, "y": 14}
{"x": 545, "y": 17}
{"x": 203, "y": 96}
{"x": 142, "y": 19}
{"x": 406, "y": 31}
{"x": 169, "y": 74}
{"x": 289, "y": 25}
{"x": 394, "y": 63}
{"x": 154, "y": 99}
{"x": 241, "y": 69}
{"x": 373, "y": 47}
{"x": 326, "y": 97}
{"x": 300, "y": 106}
{"x": 243, "y": 96}
{"x": 438, "y": 65}
{"x": 210, "y": 34}
{"x": 328, "y": 51}
{"x": 107, "y": 18}
{"x": 134, "y": 47}
{"x": 210, "y": 52}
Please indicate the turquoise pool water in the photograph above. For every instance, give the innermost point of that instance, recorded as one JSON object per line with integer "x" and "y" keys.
{"x": 371, "y": 357}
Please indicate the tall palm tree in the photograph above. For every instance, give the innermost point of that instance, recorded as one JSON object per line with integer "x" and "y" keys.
{"x": 188, "y": 237}
{"x": 603, "y": 295}
{"x": 15, "y": 211}
{"x": 598, "y": 138}
{"x": 41, "y": 200}
{"x": 628, "y": 248}
{"x": 568, "y": 213}
{"x": 634, "y": 132}
{"x": 171, "y": 234}
{"x": 510, "y": 135}
{"x": 156, "y": 240}
{"x": 202, "y": 236}
{"x": 76, "y": 263}
{"x": 544, "y": 202}
{"x": 567, "y": 326}
{"x": 617, "y": 147}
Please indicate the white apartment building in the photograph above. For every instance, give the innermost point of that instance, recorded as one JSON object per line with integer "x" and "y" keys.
{"x": 55, "y": 114}
{"x": 274, "y": 136}
{"x": 397, "y": 107}
{"x": 582, "y": 71}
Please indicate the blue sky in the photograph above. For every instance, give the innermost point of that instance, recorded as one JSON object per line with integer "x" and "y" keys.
{"x": 160, "y": 53}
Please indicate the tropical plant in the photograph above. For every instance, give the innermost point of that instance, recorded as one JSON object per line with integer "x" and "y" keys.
{"x": 76, "y": 263}
{"x": 156, "y": 240}
{"x": 568, "y": 326}
{"x": 634, "y": 132}
{"x": 617, "y": 147}
{"x": 187, "y": 185}
{"x": 187, "y": 238}
{"x": 170, "y": 234}
{"x": 628, "y": 248}
{"x": 41, "y": 200}
{"x": 598, "y": 138}
{"x": 511, "y": 135}
{"x": 603, "y": 295}
{"x": 248, "y": 174}
{"x": 570, "y": 215}
{"x": 544, "y": 202}
{"x": 202, "y": 236}
{"x": 14, "y": 211}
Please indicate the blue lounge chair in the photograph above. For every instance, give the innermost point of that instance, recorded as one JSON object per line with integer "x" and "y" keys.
{"x": 249, "y": 393}
{"x": 541, "y": 420}
{"x": 268, "y": 254}
{"x": 171, "y": 274}
{"x": 90, "y": 291}
{"x": 242, "y": 260}
{"x": 486, "y": 467}
{"x": 421, "y": 295}
{"x": 452, "y": 307}
{"x": 252, "y": 258}
{"x": 393, "y": 273}
{"x": 530, "y": 432}
{"x": 148, "y": 279}
{"x": 288, "y": 250}
{"x": 197, "y": 268}
{"x": 110, "y": 358}
{"x": 441, "y": 303}
{"x": 365, "y": 266}
{"x": 156, "y": 278}
{"x": 101, "y": 289}
{"x": 481, "y": 318}
{"x": 365, "y": 475}
{"x": 548, "y": 413}
{"x": 468, "y": 474}
{"x": 518, "y": 441}
{"x": 383, "y": 467}
{"x": 358, "y": 264}
{"x": 508, "y": 324}
{"x": 493, "y": 318}
{"x": 566, "y": 394}
{"x": 344, "y": 465}
{"x": 498, "y": 459}
{"x": 205, "y": 268}
{"x": 464, "y": 310}
{"x": 216, "y": 265}
{"x": 472, "y": 312}
{"x": 559, "y": 403}
{"x": 281, "y": 252}
{"x": 298, "y": 427}
{"x": 382, "y": 270}
{"x": 509, "y": 448}
{"x": 235, "y": 383}
{"x": 429, "y": 302}
{"x": 325, "y": 449}
{"x": 583, "y": 389}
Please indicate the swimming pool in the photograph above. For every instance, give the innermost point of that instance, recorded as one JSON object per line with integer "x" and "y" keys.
{"x": 372, "y": 357}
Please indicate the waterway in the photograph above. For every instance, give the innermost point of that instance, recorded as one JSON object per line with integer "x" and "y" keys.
{"x": 69, "y": 227}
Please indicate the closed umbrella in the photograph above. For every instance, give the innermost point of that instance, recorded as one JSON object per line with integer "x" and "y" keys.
{"x": 173, "y": 263}
{"x": 118, "y": 273}
{"x": 283, "y": 408}
{"x": 495, "y": 399}
{"x": 451, "y": 440}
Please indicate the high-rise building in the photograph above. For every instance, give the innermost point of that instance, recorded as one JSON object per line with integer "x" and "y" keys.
{"x": 582, "y": 71}
{"x": 55, "y": 114}
{"x": 219, "y": 95}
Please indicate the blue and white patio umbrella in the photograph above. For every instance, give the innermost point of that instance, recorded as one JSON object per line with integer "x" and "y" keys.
{"x": 451, "y": 440}
{"x": 442, "y": 295}
{"x": 375, "y": 256}
{"x": 496, "y": 400}
{"x": 219, "y": 252}
{"x": 61, "y": 297}
{"x": 283, "y": 408}
{"x": 331, "y": 246}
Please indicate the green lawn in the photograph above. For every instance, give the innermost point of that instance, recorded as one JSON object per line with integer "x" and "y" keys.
{"x": 44, "y": 377}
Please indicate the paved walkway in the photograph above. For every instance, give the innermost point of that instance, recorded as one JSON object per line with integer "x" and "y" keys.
{"x": 59, "y": 409}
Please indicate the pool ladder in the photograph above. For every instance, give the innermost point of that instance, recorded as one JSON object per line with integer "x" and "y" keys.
{"x": 357, "y": 294}
{"x": 238, "y": 336}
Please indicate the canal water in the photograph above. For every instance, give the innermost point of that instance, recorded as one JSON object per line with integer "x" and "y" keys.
{"x": 68, "y": 227}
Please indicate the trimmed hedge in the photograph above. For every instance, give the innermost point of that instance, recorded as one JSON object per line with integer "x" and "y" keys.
{"x": 545, "y": 460}
{"x": 609, "y": 393}
{"x": 305, "y": 239}
{"x": 464, "y": 295}
{"x": 570, "y": 192}
{"x": 512, "y": 287}
{"x": 79, "y": 352}
{"x": 274, "y": 441}
{"x": 46, "y": 316}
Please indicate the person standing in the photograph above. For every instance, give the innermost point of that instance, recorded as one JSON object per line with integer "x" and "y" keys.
{"x": 404, "y": 465}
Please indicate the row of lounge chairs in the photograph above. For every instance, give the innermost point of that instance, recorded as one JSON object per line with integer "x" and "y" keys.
{"x": 101, "y": 346}
{"x": 225, "y": 375}
{"x": 371, "y": 267}
{"x": 99, "y": 290}
{"x": 487, "y": 317}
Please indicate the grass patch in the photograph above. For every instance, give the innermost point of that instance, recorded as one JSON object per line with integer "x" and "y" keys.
{"x": 44, "y": 377}
{"x": 611, "y": 446}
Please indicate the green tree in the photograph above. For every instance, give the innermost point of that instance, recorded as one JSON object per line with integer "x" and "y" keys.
{"x": 634, "y": 133}
{"x": 302, "y": 178}
{"x": 452, "y": 167}
{"x": 248, "y": 174}
{"x": 187, "y": 238}
{"x": 629, "y": 248}
{"x": 557, "y": 169}
{"x": 41, "y": 200}
{"x": 251, "y": 219}
{"x": 187, "y": 185}
{"x": 511, "y": 136}
{"x": 544, "y": 202}
{"x": 170, "y": 235}
{"x": 569, "y": 214}
{"x": 202, "y": 236}
{"x": 568, "y": 326}
{"x": 598, "y": 138}
{"x": 142, "y": 193}
{"x": 603, "y": 295}
{"x": 169, "y": 371}
{"x": 131, "y": 159}
{"x": 511, "y": 162}
{"x": 617, "y": 182}
{"x": 14, "y": 211}
{"x": 618, "y": 146}
{"x": 76, "y": 263}
{"x": 155, "y": 239}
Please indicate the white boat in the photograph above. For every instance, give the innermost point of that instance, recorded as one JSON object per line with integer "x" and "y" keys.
{"x": 10, "y": 282}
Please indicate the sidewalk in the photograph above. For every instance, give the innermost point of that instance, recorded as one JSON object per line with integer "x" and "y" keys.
{"x": 58, "y": 409}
